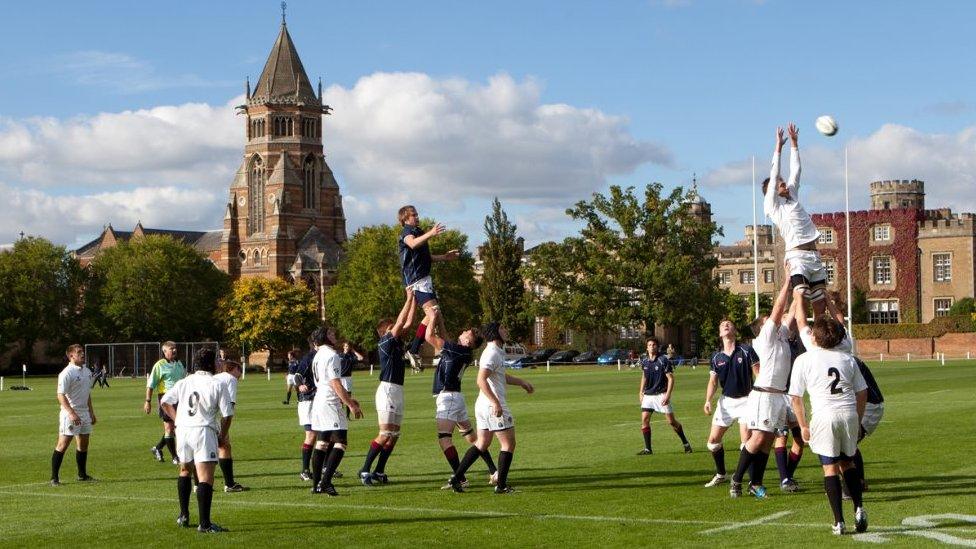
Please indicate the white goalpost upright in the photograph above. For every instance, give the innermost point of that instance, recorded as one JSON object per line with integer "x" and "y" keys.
{"x": 755, "y": 244}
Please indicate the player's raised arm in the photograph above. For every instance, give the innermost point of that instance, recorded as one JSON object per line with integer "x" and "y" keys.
{"x": 405, "y": 318}
{"x": 793, "y": 183}
{"x": 833, "y": 310}
{"x": 772, "y": 184}
{"x": 779, "y": 307}
{"x": 800, "y": 310}
{"x": 415, "y": 241}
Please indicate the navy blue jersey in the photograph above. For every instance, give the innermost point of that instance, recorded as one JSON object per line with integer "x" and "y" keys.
{"x": 292, "y": 366}
{"x": 391, "y": 359}
{"x": 303, "y": 368}
{"x": 414, "y": 262}
{"x": 454, "y": 359}
{"x": 735, "y": 372}
{"x": 796, "y": 349}
{"x": 346, "y": 362}
{"x": 656, "y": 374}
{"x": 874, "y": 392}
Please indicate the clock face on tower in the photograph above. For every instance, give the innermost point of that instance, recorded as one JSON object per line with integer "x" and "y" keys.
{"x": 241, "y": 201}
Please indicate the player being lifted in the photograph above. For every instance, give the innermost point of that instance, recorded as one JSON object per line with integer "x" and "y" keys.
{"x": 781, "y": 202}
{"x": 196, "y": 401}
{"x": 656, "y": 386}
{"x": 328, "y": 420}
{"x": 415, "y": 266}
{"x": 452, "y": 411}
{"x": 838, "y": 394}
{"x": 389, "y": 394}
{"x": 732, "y": 367}
{"x": 766, "y": 409}
{"x": 165, "y": 373}
{"x": 77, "y": 414}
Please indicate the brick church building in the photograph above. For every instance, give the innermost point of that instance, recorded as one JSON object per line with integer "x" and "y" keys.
{"x": 283, "y": 217}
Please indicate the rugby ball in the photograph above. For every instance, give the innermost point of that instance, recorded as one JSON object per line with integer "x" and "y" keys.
{"x": 826, "y": 125}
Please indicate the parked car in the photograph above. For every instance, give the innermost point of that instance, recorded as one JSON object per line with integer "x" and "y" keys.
{"x": 611, "y": 356}
{"x": 586, "y": 357}
{"x": 538, "y": 356}
{"x": 563, "y": 356}
{"x": 513, "y": 352}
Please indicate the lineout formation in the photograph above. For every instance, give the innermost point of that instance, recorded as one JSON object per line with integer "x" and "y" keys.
{"x": 762, "y": 386}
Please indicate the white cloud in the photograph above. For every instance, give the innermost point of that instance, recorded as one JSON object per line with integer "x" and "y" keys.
{"x": 122, "y": 73}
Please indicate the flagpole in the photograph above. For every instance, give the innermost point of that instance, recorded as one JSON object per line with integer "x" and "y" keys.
{"x": 847, "y": 241}
{"x": 755, "y": 242}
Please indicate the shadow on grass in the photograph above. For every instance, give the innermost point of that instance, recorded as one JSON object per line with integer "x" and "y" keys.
{"x": 380, "y": 521}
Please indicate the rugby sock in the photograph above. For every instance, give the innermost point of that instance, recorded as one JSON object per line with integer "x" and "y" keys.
{"x": 384, "y": 456}
{"x": 646, "y": 431}
{"x": 418, "y": 340}
{"x": 504, "y": 463}
{"x": 306, "y": 456}
{"x": 161, "y": 443}
{"x": 793, "y": 460}
{"x": 759, "y": 462}
{"x": 486, "y": 455}
{"x": 335, "y": 458}
{"x": 318, "y": 458}
{"x": 834, "y": 495}
{"x": 288, "y": 397}
{"x": 171, "y": 445}
{"x": 719, "y": 457}
{"x": 374, "y": 450}
{"x": 183, "y": 489}
{"x": 56, "y": 460}
{"x": 745, "y": 462}
{"x": 452, "y": 458}
{"x": 852, "y": 477}
{"x": 227, "y": 468}
{"x": 81, "y": 458}
{"x": 859, "y": 463}
{"x": 681, "y": 433}
{"x": 468, "y": 460}
{"x": 781, "y": 464}
{"x": 204, "y": 499}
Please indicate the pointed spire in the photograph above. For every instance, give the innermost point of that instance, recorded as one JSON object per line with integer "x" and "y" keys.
{"x": 320, "y": 89}
{"x": 283, "y": 78}
{"x": 247, "y": 87}
{"x": 284, "y": 6}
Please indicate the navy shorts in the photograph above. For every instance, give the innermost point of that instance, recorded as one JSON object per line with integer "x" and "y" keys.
{"x": 827, "y": 460}
{"x": 424, "y": 297}
{"x": 162, "y": 415}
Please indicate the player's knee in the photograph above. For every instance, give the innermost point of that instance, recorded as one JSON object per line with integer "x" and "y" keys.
{"x": 713, "y": 446}
{"x": 467, "y": 433}
{"x": 443, "y": 435}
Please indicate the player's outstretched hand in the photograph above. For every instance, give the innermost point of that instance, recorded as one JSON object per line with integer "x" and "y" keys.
{"x": 357, "y": 412}
{"x": 145, "y": 408}
{"x": 528, "y": 387}
{"x": 437, "y": 229}
{"x": 780, "y": 138}
{"x": 794, "y": 133}
{"x": 708, "y": 408}
{"x": 451, "y": 255}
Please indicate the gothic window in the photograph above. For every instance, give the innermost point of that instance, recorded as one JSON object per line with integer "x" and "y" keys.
{"x": 288, "y": 127}
{"x": 308, "y": 184}
{"x": 257, "y": 258}
{"x": 255, "y": 202}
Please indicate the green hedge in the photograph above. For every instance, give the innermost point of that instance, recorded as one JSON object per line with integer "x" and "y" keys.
{"x": 936, "y": 328}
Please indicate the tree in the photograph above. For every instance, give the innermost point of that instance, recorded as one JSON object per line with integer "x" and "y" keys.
{"x": 503, "y": 296}
{"x": 40, "y": 295}
{"x": 155, "y": 287}
{"x": 965, "y": 306}
{"x": 725, "y": 305}
{"x": 369, "y": 285}
{"x": 859, "y": 306}
{"x": 765, "y": 306}
{"x": 268, "y": 313}
{"x": 639, "y": 259}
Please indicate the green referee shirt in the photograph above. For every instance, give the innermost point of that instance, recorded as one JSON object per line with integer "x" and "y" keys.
{"x": 164, "y": 375}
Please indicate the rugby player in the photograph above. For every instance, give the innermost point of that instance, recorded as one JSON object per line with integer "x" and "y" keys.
{"x": 306, "y": 388}
{"x": 77, "y": 415}
{"x": 873, "y": 412}
{"x": 787, "y": 460}
{"x": 732, "y": 367}
{"x": 452, "y": 411}
{"x": 656, "y": 386}
{"x": 389, "y": 394}
{"x": 838, "y": 394}
{"x": 293, "y": 356}
{"x": 164, "y": 375}
{"x": 781, "y": 202}
{"x": 329, "y": 423}
{"x": 196, "y": 401}
{"x": 348, "y": 358}
{"x": 415, "y": 266}
{"x": 766, "y": 409}
{"x": 230, "y": 372}
{"x": 492, "y": 415}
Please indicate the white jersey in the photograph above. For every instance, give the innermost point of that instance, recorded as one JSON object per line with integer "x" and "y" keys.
{"x": 200, "y": 400}
{"x": 846, "y": 345}
{"x": 772, "y": 346}
{"x": 230, "y": 382}
{"x": 794, "y": 223}
{"x": 75, "y": 383}
{"x": 493, "y": 360}
{"x": 831, "y": 377}
{"x": 326, "y": 366}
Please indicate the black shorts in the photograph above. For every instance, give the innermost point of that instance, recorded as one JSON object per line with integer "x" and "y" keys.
{"x": 162, "y": 415}
{"x": 335, "y": 437}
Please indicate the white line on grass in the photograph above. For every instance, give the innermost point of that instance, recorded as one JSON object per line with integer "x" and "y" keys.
{"x": 737, "y": 525}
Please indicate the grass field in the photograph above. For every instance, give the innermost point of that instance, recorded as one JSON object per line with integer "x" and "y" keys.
{"x": 579, "y": 481}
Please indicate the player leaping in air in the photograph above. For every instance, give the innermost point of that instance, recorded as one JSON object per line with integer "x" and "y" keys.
{"x": 781, "y": 203}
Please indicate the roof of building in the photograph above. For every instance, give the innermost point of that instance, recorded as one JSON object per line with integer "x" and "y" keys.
{"x": 284, "y": 77}
{"x": 203, "y": 241}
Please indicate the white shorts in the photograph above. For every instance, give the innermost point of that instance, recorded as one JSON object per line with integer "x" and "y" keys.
{"x": 346, "y": 383}
{"x": 806, "y": 263}
{"x": 196, "y": 444}
{"x": 872, "y": 417}
{"x": 653, "y": 403}
{"x": 729, "y": 410}
{"x": 451, "y": 406}
{"x": 766, "y": 411}
{"x": 425, "y": 285}
{"x": 834, "y": 433}
{"x": 304, "y": 412}
{"x": 487, "y": 420}
{"x": 329, "y": 417}
{"x": 790, "y": 414}
{"x": 290, "y": 379}
{"x": 69, "y": 429}
{"x": 389, "y": 403}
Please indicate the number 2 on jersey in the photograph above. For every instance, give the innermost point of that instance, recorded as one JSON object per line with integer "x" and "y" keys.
{"x": 834, "y": 390}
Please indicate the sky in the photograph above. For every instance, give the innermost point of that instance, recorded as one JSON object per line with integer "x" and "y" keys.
{"x": 118, "y": 112}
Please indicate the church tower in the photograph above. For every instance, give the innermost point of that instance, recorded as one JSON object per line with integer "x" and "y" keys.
{"x": 284, "y": 215}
